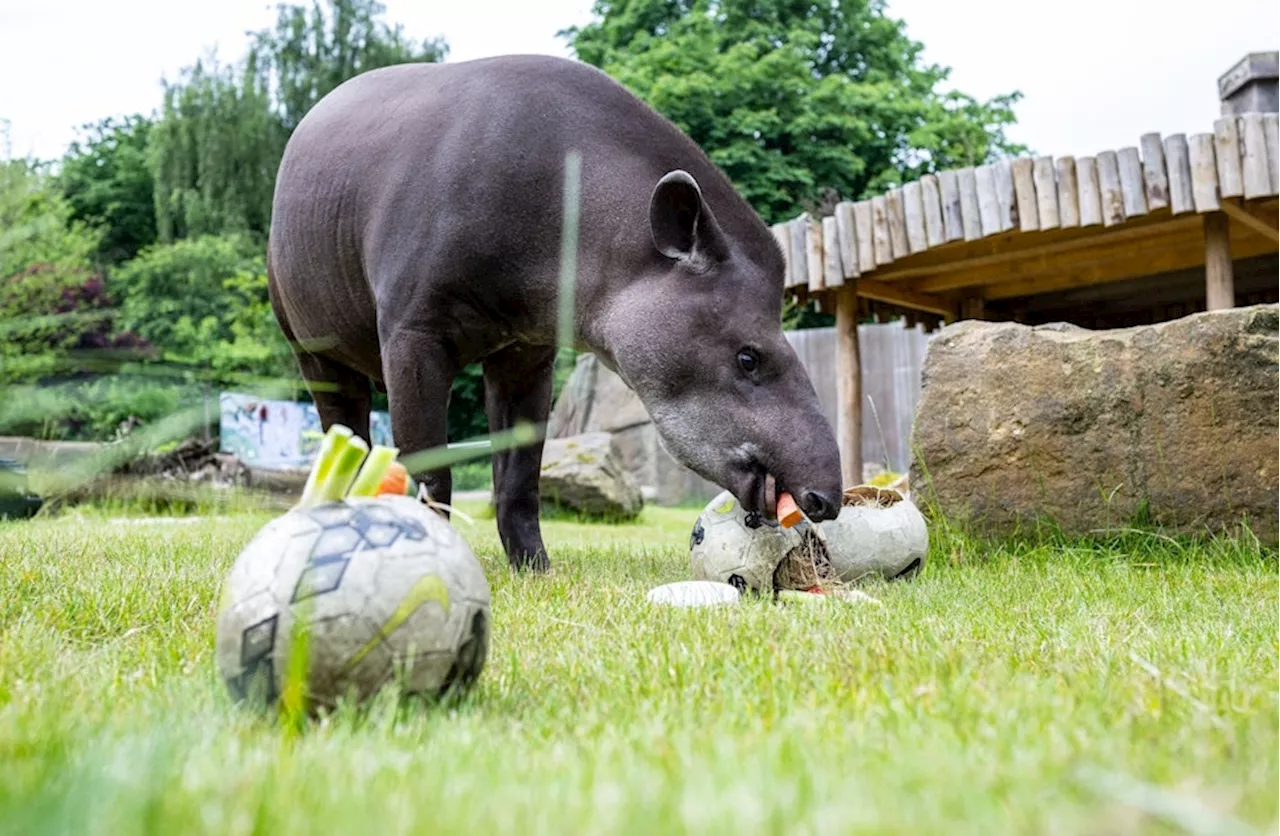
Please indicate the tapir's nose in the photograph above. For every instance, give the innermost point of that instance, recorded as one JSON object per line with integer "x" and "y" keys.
{"x": 819, "y": 506}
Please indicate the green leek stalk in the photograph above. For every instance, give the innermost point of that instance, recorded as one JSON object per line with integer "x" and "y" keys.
{"x": 373, "y": 470}
{"x": 334, "y": 441}
{"x": 346, "y": 465}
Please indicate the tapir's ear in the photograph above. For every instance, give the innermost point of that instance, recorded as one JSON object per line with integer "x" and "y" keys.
{"x": 681, "y": 222}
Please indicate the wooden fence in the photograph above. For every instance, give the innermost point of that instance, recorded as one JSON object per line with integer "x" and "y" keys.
{"x": 892, "y": 357}
{"x": 1198, "y": 173}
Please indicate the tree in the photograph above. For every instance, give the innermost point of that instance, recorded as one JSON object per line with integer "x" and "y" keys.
{"x": 798, "y": 101}
{"x": 106, "y": 179}
{"x": 223, "y": 128}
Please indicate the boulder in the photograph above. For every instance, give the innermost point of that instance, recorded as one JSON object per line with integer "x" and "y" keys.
{"x": 1173, "y": 424}
{"x": 595, "y": 399}
{"x": 585, "y": 473}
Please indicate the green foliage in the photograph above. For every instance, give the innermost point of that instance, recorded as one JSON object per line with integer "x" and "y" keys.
{"x": 796, "y": 101}
{"x": 37, "y": 224}
{"x": 223, "y": 129}
{"x": 203, "y": 303}
{"x": 106, "y": 179}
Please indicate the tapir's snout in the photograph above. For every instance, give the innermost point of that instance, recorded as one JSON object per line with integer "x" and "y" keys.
{"x": 820, "y": 506}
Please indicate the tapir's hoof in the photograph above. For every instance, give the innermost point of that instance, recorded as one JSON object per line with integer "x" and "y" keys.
{"x": 536, "y": 563}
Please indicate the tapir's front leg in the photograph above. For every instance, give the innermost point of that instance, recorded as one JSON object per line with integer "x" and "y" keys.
{"x": 419, "y": 375}
{"x": 517, "y": 387}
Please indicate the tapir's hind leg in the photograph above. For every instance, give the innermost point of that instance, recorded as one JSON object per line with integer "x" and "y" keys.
{"x": 419, "y": 373}
{"x": 517, "y": 387}
{"x": 342, "y": 395}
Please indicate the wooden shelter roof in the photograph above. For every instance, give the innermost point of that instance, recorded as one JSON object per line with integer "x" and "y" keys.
{"x": 947, "y": 244}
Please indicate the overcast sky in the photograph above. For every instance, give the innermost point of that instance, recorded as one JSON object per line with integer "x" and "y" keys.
{"x": 1096, "y": 74}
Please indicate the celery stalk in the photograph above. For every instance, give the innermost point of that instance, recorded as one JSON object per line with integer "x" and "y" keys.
{"x": 345, "y": 466}
{"x": 333, "y": 443}
{"x": 373, "y": 470}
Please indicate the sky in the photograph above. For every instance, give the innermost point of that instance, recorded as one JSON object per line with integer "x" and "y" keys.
{"x": 1095, "y": 74}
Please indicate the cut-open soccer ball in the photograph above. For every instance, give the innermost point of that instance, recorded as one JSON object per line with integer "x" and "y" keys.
{"x": 371, "y": 588}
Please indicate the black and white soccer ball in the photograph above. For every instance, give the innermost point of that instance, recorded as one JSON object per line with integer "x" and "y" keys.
{"x": 738, "y": 547}
{"x": 371, "y": 589}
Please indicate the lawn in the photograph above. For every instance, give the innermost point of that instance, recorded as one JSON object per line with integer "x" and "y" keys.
{"x": 1059, "y": 687}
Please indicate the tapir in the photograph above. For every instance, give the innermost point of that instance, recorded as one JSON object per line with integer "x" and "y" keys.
{"x": 416, "y": 228}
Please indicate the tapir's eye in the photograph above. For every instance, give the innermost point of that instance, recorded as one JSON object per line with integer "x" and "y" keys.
{"x": 749, "y": 360}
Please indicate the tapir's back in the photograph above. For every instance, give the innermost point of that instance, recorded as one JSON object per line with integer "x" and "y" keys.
{"x": 408, "y": 186}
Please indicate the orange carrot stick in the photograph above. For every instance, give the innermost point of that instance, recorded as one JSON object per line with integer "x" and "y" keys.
{"x": 395, "y": 481}
{"x": 788, "y": 513}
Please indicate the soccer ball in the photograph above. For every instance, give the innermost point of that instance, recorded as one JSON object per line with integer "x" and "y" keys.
{"x": 738, "y": 547}
{"x": 366, "y": 591}
{"x": 877, "y": 534}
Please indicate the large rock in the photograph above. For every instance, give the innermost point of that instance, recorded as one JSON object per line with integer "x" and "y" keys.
{"x": 585, "y": 473}
{"x": 1173, "y": 424}
{"x": 594, "y": 399}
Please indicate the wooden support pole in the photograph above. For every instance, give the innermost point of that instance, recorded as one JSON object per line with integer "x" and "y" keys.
{"x": 848, "y": 386}
{"x": 1219, "y": 284}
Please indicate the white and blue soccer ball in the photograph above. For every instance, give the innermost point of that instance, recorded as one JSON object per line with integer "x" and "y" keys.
{"x": 383, "y": 589}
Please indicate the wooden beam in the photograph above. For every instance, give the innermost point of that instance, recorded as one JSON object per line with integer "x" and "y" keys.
{"x": 1243, "y": 215}
{"x": 1188, "y": 253}
{"x": 1219, "y": 285}
{"x": 976, "y": 271}
{"x": 902, "y": 297}
{"x": 848, "y": 386}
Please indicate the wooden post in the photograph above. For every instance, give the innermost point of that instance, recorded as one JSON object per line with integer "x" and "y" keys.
{"x": 848, "y": 385}
{"x": 970, "y": 214}
{"x": 1042, "y": 174}
{"x": 1068, "y": 193}
{"x": 1109, "y": 187}
{"x": 1219, "y": 284}
{"x": 1006, "y": 199}
{"x": 1253, "y": 159}
{"x": 1090, "y": 191}
{"x": 984, "y": 178}
{"x": 1153, "y": 171}
{"x": 952, "y": 222}
{"x": 1177, "y": 159}
{"x": 1024, "y": 189}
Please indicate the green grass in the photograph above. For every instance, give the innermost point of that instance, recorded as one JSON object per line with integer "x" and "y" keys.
{"x": 1066, "y": 687}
